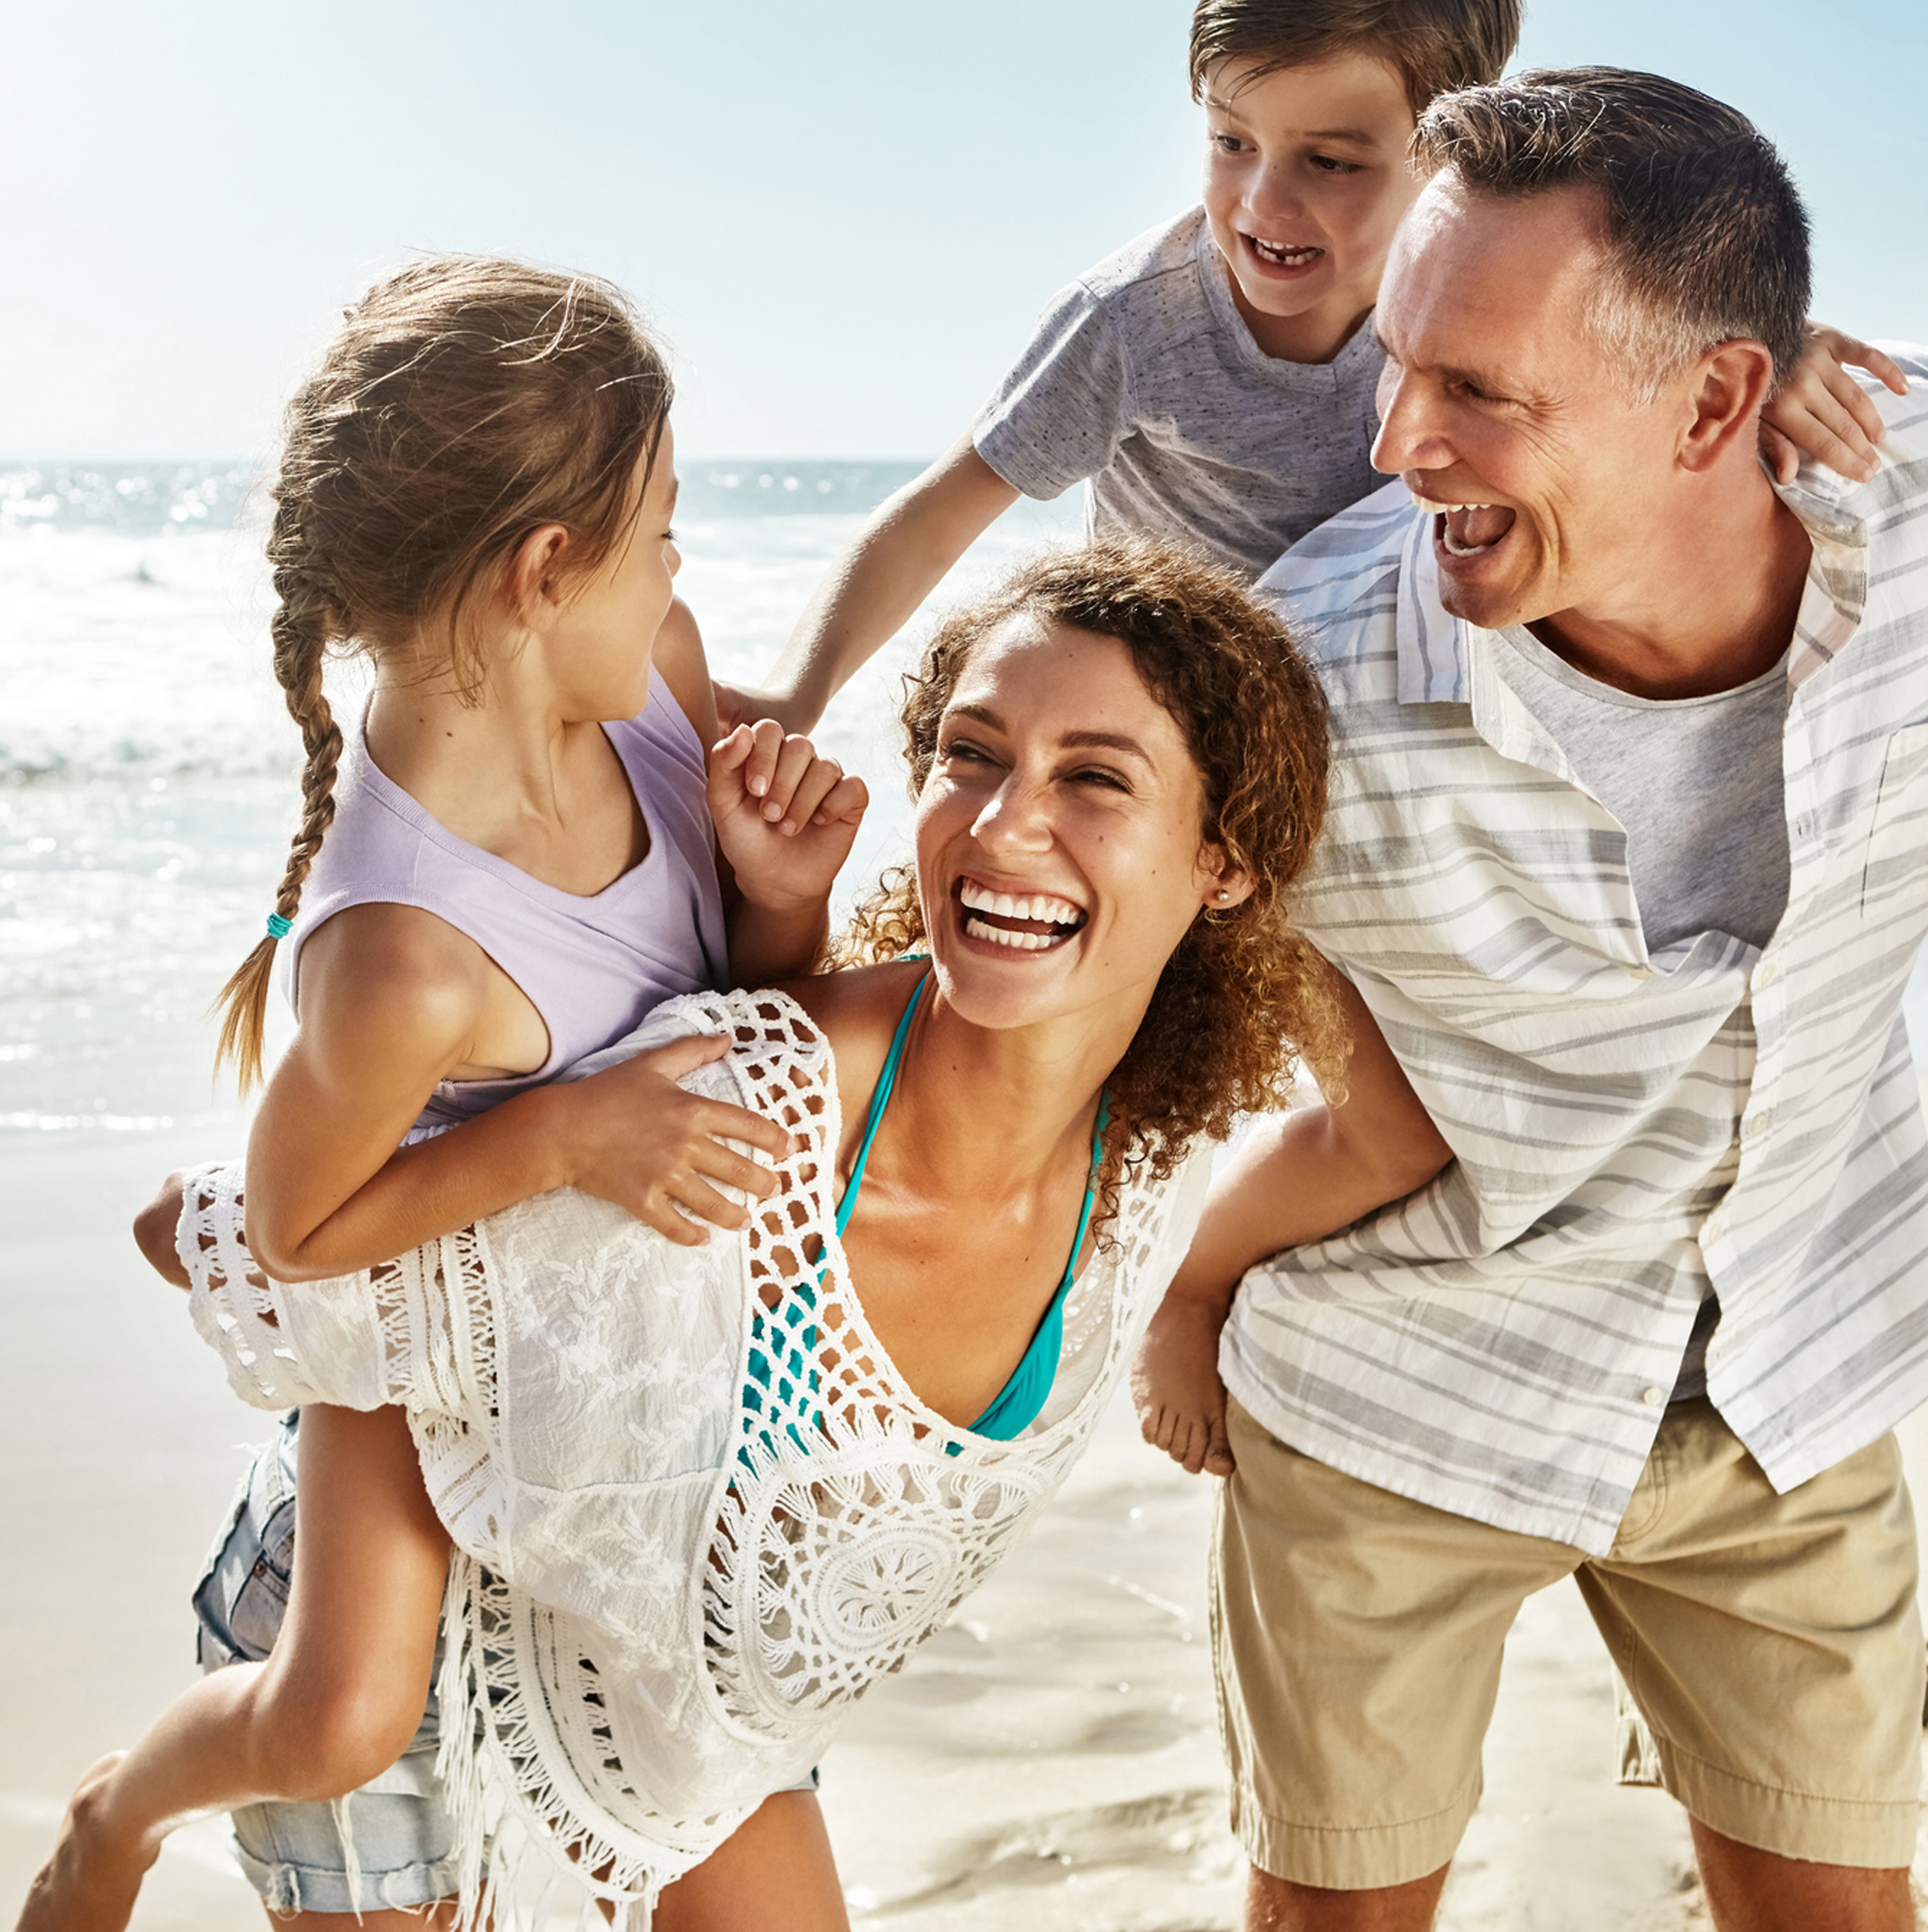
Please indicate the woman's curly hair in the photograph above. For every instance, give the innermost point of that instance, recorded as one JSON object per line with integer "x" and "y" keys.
{"x": 1245, "y": 998}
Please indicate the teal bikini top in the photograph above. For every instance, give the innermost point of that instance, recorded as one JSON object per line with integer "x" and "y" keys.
{"x": 1019, "y": 1401}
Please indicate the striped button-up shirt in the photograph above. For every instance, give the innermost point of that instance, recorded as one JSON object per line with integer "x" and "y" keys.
{"x": 1627, "y": 1125}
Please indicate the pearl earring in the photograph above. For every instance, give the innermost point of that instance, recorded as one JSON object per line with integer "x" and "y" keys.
{"x": 1223, "y": 895}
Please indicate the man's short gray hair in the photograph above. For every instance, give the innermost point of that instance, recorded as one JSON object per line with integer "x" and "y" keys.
{"x": 1703, "y": 236}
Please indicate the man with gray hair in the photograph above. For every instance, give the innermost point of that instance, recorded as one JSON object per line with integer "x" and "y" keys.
{"x": 1627, "y": 859}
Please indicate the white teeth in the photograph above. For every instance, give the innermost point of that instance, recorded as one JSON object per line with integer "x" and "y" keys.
{"x": 1284, "y": 253}
{"x": 1007, "y": 906}
{"x": 1017, "y": 942}
{"x": 1446, "y": 509}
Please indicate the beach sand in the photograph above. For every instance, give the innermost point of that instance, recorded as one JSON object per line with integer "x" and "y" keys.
{"x": 1048, "y": 1761}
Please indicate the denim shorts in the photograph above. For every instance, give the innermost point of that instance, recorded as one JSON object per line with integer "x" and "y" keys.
{"x": 395, "y": 1832}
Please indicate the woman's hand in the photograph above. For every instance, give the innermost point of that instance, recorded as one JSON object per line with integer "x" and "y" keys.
{"x": 785, "y": 817}
{"x": 1821, "y": 410}
{"x": 635, "y": 1137}
{"x": 154, "y": 1228}
{"x": 1174, "y": 1383}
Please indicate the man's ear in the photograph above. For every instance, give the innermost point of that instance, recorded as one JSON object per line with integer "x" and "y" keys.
{"x": 1727, "y": 389}
{"x": 533, "y": 586}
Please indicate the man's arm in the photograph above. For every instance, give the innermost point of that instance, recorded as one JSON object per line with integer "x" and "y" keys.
{"x": 874, "y": 587}
{"x": 1294, "y": 1179}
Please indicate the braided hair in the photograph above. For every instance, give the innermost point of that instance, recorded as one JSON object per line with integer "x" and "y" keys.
{"x": 466, "y": 402}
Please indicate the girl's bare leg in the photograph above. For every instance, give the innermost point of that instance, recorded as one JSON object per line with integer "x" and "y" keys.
{"x": 775, "y": 1870}
{"x": 335, "y": 1705}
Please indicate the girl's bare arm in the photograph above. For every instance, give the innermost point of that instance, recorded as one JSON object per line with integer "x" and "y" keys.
{"x": 391, "y": 1001}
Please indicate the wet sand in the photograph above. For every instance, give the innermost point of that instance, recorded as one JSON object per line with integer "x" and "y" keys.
{"x": 1049, "y": 1761}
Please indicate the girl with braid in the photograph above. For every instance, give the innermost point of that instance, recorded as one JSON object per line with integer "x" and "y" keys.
{"x": 501, "y": 868}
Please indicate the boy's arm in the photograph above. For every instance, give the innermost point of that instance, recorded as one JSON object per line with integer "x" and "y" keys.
{"x": 874, "y": 587}
{"x": 1822, "y": 412}
{"x": 1295, "y": 1178}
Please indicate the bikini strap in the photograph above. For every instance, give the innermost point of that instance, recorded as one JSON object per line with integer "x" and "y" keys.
{"x": 880, "y": 1100}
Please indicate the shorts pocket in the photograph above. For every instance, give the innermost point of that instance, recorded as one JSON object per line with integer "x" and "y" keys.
{"x": 243, "y": 1595}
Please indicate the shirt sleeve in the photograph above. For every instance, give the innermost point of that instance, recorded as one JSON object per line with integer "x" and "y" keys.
{"x": 283, "y": 1344}
{"x": 1060, "y": 414}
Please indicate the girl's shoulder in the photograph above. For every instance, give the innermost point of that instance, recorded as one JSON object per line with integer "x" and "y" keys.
{"x": 680, "y": 661}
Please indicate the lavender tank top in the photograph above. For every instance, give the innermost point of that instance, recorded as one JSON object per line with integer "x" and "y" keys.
{"x": 591, "y": 967}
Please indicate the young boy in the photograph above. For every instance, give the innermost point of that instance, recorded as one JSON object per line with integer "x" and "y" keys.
{"x": 1213, "y": 379}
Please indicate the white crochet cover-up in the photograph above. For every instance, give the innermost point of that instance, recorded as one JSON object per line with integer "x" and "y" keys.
{"x": 666, "y": 1594}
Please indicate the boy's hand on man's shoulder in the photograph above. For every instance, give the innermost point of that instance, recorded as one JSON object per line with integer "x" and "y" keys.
{"x": 1822, "y": 412}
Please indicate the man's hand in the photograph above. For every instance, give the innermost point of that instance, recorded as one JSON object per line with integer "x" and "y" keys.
{"x": 785, "y": 817}
{"x": 1176, "y": 1387}
{"x": 635, "y": 1137}
{"x": 154, "y": 1228}
{"x": 1822, "y": 412}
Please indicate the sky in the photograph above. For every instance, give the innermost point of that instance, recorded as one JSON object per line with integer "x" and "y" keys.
{"x": 845, "y": 214}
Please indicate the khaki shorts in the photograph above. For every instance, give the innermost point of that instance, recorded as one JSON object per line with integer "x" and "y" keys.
{"x": 1770, "y": 1642}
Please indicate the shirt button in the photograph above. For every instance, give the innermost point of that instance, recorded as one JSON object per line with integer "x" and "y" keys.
{"x": 1756, "y": 1123}
{"x": 1653, "y": 1397}
{"x": 1712, "y": 1228}
{"x": 1765, "y": 974}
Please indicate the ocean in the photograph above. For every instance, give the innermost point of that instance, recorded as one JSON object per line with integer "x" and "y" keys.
{"x": 148, "y": 772}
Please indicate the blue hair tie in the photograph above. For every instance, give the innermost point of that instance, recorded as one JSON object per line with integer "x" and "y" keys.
{"x": 277, "y": 927}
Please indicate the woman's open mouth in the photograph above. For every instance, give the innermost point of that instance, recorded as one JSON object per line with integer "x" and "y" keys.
{"x": 1469, "y": 529}
{"x": 1033, "y": 922}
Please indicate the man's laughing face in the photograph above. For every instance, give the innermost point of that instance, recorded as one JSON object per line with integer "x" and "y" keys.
{"x": 1506, "y": 416}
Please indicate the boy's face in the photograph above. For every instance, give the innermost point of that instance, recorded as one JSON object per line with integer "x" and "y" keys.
{"x": 1304, "y": 182}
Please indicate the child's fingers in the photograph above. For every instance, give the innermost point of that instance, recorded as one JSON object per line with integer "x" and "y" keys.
{"x": 1848, "y": 395}
{"x": 720, "y": 1120}
{"x": 673, "y": 1060}
{"x": 734, "y": 1169}
{"x": 1883, "y": 368}
{"x": 662, "y": 1216}
{"x": 766, "y": 749}
{"x": 806, "y": 802}
{"x": 1785, "y": 458}
{"x": 793, "y": 760}
{"x": 1841, "y": 347}
{"x": 846, "y": 802}
{"x": 698, "y": 1199}
{"x": 731, "y": 750}
{"x": 1835, "y": 440}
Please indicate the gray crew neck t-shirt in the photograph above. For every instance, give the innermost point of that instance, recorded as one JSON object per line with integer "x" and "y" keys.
{"x": 1695, "y": 782}
{"x": 1143, "y": 377}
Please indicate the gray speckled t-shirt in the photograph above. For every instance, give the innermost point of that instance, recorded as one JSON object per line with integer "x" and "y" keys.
{"x": 1143, "y": 377}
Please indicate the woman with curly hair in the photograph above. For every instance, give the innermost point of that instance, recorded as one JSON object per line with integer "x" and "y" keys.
{"x": 701, "y": 1497}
